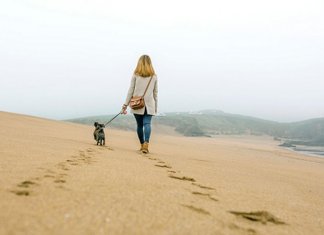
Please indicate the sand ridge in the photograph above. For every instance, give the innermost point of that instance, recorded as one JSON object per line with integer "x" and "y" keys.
{"x": 55, "y": 180}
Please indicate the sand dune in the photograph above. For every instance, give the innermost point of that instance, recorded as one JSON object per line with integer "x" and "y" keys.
{"x": 55, "y": 180}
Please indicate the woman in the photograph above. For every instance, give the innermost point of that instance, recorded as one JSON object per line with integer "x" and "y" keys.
{"x": 144, "y": 77}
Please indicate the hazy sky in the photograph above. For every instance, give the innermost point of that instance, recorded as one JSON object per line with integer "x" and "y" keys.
{"x": 72, "y": 58}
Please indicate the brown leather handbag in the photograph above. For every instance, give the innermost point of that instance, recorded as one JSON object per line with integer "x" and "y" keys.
{"x": 137, "y": 102}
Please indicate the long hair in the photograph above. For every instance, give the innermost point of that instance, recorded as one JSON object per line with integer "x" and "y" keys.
{"x": 144, "y": 67}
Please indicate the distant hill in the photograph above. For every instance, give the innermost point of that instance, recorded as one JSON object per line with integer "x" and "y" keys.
{"x": 216, "y": 122}
{"x": 309, "y": 132}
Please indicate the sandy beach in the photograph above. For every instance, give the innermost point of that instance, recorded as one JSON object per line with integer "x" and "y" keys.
{"x": 55, "y": 180}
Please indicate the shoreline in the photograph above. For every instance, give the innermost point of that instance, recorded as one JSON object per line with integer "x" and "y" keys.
{"x": 311, "y": 152}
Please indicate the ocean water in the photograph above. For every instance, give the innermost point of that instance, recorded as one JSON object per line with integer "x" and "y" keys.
{"x": 316, "y": 151}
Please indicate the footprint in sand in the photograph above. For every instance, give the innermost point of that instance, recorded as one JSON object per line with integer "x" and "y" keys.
{"x": 185, "y": 178}
{"x": 163, "y": 165}
{"x": 103, "y": 148}
{"x": 207, "y": 195}
{"x": 90, "y": 150}
{"x": 72, "y": 162}
{"x": 26, "y": 184}
{"x": 59, "y": 181}
{"x": 49, "y": 176}
{"x": 258, "y": 216}
{"x": 21, "y": 192}
{"x": 203, "y": 187}
{"x": 62, "y": 166}
{"x": 153, "y": 158}
{"x": 49, "y": 173}
{"x": 196, "y": 209}
{"x": 241, "y": 230}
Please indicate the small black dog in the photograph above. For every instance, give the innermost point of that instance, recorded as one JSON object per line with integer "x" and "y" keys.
{"x": 99, "y": 134}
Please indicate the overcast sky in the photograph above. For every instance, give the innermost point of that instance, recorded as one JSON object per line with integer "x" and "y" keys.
{"x": 72, "y": 58}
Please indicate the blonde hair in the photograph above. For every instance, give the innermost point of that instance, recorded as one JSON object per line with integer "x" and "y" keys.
{"x": 144, "y": 67}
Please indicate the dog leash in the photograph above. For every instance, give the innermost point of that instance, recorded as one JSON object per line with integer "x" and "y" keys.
{"x": 112, "y": 119}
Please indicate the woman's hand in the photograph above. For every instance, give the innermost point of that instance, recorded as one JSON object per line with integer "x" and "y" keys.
{"x": 124, "y": 109}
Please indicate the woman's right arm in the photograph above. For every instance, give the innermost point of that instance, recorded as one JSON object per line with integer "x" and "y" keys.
{"x": 130, "y": 92}
{"x": 155, "y": 94}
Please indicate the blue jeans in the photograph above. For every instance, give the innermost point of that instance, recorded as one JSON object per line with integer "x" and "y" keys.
{"x": 143, "y": 127}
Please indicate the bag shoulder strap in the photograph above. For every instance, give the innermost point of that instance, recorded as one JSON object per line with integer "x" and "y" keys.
{"x": 147, "y": 86}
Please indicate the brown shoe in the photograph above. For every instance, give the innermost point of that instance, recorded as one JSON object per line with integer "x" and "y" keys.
{"x": 145, "y": 148}
{"x": 141, "y": 147}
